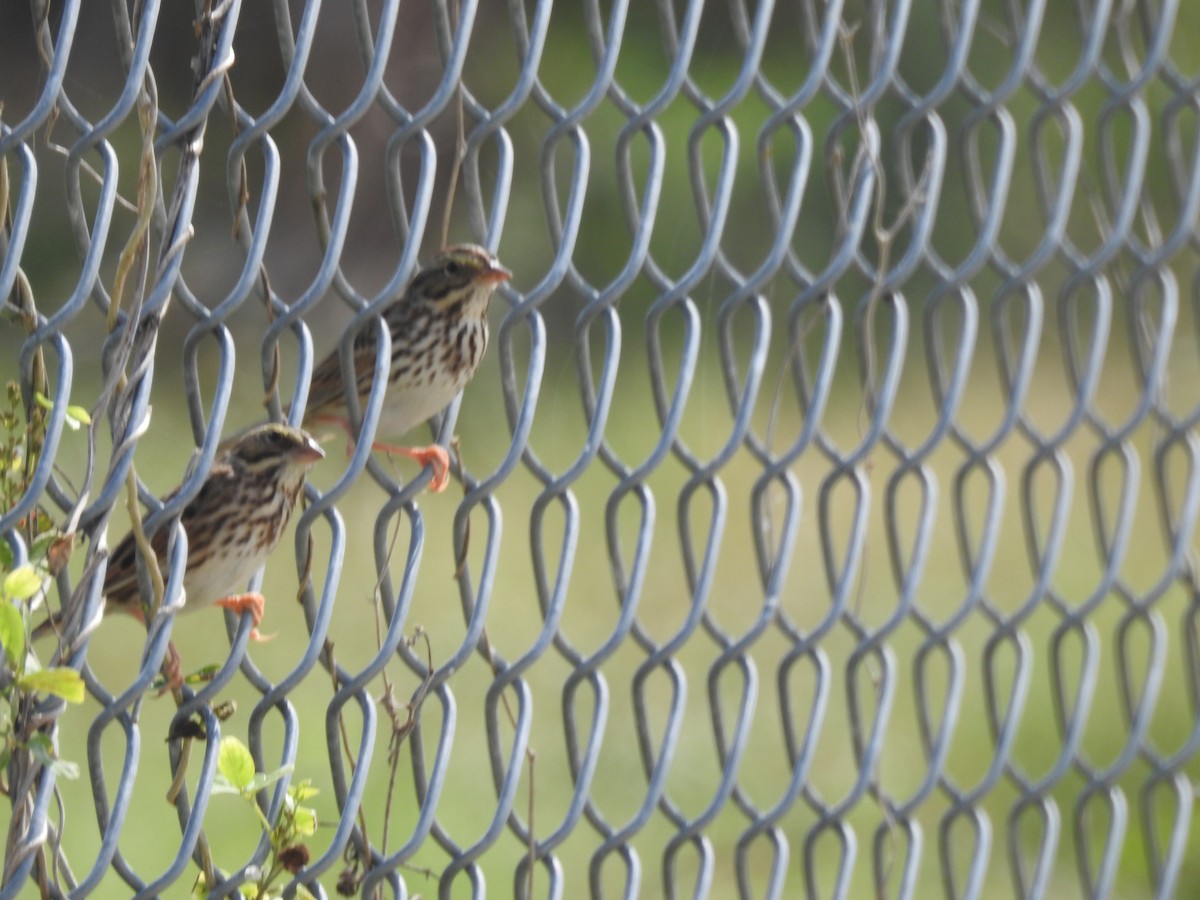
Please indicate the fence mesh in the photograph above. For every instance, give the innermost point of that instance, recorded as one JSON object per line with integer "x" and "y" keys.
{"x": 825, "y": 506}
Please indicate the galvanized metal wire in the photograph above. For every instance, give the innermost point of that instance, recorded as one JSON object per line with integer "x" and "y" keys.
{"x": 843, "y": 414}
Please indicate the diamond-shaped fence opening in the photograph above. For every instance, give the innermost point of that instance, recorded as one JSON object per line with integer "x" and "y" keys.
{"x": 822, "y": 514}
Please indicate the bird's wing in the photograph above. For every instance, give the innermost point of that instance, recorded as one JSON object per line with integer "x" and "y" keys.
{"x": 325, "y": 391}
{"x": 121, "y": 579}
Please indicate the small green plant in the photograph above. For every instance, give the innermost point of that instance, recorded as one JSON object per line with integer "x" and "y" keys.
{"x": 22, "y": 590}
{"x": 21, "y": 675}
{"x": 289, "y": 853}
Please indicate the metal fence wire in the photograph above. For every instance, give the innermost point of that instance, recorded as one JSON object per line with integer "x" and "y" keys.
{"x": 823, "y": 514}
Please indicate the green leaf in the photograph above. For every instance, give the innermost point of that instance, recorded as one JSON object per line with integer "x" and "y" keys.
{"x": 265, "y": 779}
{"x": 302, "y": 791}
{"x": 6, "y": 557}
{"x": 304, "y": 821}
{"x": 61, "y": 681}
{"x": 64, "y": 768}
{"x": 235, "y": 763}
{"x": 200, "y": 888}
{"x": 42, "y": 749}
{"x": 22, "y": 582}
{"x": 203, "y": 675}
{"x": 221, "y": 785}
{"x": 41, "y": 544}
{"x": 76, "y": 415}
{"x": 12, "y": 633}
{"x": 79, "y": 414}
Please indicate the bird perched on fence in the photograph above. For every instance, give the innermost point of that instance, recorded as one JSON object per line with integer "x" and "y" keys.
{"x": 439, "y": 333}
{"x": 232, "y": 525}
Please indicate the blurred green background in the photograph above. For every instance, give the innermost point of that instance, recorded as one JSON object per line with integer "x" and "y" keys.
{"x": 829, "y": 502}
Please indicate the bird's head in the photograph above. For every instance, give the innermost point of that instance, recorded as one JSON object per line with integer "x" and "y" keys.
{"x": 275, "y": 450}
{"x": 462, "y": 274}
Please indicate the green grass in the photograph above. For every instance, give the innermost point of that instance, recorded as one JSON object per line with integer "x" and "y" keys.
{"x": 514, "y": 620}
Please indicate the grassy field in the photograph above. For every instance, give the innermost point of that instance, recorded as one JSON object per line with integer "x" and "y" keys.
{"x": 916, "y": 531}
{"x": 733, "y": 603}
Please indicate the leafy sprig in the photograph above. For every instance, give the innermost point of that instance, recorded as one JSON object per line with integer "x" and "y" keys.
{"x": 236, "y": 775}
{"x": 23, "y": 588}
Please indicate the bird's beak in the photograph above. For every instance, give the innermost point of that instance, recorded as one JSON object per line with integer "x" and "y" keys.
{"x": 309, "y": 452}
{"x": 495, "y": 274}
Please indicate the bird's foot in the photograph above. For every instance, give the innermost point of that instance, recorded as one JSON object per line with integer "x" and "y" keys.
{"x": 434, "y": 456}
{"x": 251, "y": 603}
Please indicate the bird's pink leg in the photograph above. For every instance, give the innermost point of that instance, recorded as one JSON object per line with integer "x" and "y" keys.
{"x": 252, "y": 603}
{"x": 433, "y": 456}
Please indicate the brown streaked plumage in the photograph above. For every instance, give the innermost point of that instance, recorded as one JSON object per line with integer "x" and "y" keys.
{"x": 439, "y": 333}
{"x": 232, "y": 525}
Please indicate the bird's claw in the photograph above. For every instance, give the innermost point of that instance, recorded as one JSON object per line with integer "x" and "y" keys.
{"x": 433, "y": 456}
{"x": 252, "y": 603}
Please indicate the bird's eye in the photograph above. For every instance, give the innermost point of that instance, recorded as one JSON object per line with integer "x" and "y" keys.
{"x": 454, "y": 268}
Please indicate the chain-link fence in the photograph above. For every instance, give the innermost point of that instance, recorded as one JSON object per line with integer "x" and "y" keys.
{"x": 824, "y": 508}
